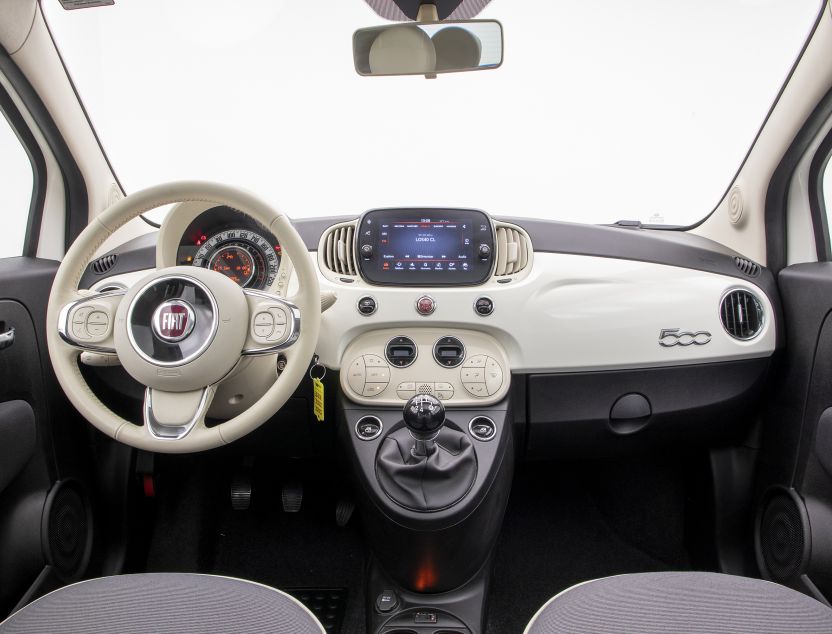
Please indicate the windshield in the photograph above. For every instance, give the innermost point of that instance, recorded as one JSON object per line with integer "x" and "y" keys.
{"x": 601, "y": 111}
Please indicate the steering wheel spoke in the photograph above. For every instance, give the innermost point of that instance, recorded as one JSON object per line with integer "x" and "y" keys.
{"x": 86, "y": 322}
{"x": 274, "y": 323}
{"x": 172, "y": 415}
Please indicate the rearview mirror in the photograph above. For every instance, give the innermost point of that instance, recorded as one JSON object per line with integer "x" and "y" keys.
{"x": 428, "y": 48}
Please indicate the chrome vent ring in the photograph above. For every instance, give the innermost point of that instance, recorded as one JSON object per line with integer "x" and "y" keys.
{"x": 742, "y": 315}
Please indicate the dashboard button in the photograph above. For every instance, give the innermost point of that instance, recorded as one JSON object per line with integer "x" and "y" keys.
{"x": 483, "y": 306}
{"x": 477, "y": 389}
{"x": 367, "y": 306}
{"x": 472, "y": 375}
{"x": 477, "y": 361}
{"x": 425, "y": 305}
{"x": 373, "y": 389}
{"x": 444, "y": 395}
{"x": 355, "y": 376}
{"x": 484, "y": 252}
{"x": 374, "y": 361}
{"x": 406, "y": 389}
{"x": 366, "y": 251}
{"x": 493, "y": 376}
{"x": 377, "y": 374}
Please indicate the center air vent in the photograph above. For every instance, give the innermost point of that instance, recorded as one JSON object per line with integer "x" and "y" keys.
{"x": 514, "y": 250}
{"x": 400, "y": 351}
{"x": 337, "y": 250}
{"x": 449, "y": 352}
{"x": 741, "y": 314}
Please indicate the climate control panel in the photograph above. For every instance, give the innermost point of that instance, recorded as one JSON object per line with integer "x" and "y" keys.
{"x": 459, "y": 367}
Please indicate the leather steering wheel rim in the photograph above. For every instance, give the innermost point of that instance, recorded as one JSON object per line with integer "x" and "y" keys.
{"x": 65, "y": 293}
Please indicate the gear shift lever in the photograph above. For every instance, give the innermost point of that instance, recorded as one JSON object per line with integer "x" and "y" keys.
{"x": 424, "y": 416}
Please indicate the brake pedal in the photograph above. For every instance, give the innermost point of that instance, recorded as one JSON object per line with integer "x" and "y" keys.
{"x": 292, "y": 496}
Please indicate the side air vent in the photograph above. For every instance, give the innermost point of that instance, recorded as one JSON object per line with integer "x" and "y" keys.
{"x": 104, "y": 263}
{"x": 338, "y": 250}
{"x": 741, "y": 314}
{"x": 514, "y": 250}
{"x": 747, "y": 267}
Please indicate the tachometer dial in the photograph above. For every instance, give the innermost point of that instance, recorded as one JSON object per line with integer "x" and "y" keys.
{"x": 243, "y": 256}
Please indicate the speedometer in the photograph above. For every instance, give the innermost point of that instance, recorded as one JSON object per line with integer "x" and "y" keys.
{"x": 242, "y": 255}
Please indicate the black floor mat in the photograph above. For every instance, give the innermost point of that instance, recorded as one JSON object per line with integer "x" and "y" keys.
{"x": 328, "y": 604}
{"x": 196, "y": 530}
{"x": 557, "y": 533}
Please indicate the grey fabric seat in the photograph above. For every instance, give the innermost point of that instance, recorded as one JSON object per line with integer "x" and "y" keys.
{"x": 164, "y": 602}
{"x": 689, "y": 602}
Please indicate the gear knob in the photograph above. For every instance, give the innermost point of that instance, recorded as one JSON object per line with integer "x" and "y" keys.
{"x": 424, "y": 416}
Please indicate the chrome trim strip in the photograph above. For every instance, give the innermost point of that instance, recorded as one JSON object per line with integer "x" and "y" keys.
{"x": 474, "y": 436}
{"x": 172, "y": 432}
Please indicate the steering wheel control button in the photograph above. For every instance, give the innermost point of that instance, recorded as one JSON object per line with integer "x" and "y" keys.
{"x": 482, "y": 428}
{"x": 483, "y": 306}
{"x": 425, "y": 305}
{"x": 368, "y": 428}
{"x": 449, "y": 352}
{"x": 173, "y": 320}
{"x": 367, "y": 306}
{"x": 386, "y": 602}
{"x": 98, "y": 323}
{"x": 263, "y": 325}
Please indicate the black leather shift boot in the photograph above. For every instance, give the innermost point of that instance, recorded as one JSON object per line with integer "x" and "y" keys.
{"x": 426, "y": 483}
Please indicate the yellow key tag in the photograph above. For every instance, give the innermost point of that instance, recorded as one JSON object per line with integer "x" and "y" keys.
{"x": 318, "y": 399}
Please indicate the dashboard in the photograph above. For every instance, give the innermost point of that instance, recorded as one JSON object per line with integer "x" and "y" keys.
{"x": 571, "y": 320}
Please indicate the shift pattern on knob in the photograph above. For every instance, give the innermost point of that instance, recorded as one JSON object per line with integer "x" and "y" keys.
{"x": 424, "y": 415}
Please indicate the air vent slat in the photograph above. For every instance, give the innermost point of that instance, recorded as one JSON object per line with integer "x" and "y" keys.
{"x": 104, "y": 263}
{"x": 741, "y": 314}
{"x": 513, "y": 251}
{"x": 339, "y": 251}
{"x": 747, "y": 267}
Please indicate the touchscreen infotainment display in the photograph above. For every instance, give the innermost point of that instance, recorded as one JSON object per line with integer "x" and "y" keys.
{"x": 425, "y": 247}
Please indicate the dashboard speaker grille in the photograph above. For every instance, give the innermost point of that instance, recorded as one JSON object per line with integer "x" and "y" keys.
{"x": 741, "y": 314}
{"x": 339, "y": 250}
{"x": 747, "y": 267}
{"x": 514, "y": 250}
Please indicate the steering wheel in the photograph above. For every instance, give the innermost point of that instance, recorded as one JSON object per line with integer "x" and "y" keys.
{"x": 180, "y": 330}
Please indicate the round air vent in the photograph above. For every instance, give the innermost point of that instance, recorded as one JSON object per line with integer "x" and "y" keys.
{"x": 741, "y": 314}
{"x": 401, "y": 351}
{"x": 449, "y": 352}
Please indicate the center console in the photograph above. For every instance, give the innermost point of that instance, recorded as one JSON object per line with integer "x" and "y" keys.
{"x": 426, "y": 418}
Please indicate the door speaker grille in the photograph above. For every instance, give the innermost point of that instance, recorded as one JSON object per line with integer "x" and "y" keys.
{"x": 783, "y": 538}
{"x": 66, "y": 529}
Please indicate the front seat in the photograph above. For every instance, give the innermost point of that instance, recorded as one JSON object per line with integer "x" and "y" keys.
{"x": 681, "y": 602}
{"x": 164, "y": 602}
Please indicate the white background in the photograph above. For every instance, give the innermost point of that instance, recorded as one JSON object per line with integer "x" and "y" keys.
{"x": 602, "y": 110}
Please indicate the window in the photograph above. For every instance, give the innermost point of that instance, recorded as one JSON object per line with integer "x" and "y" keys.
{"x": 16, "y": 183}
{"x": 826, "y": 189}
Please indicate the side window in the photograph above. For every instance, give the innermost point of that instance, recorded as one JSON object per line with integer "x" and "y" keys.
{"x": 16, "y": 184}
{"x": 826, "y": 187}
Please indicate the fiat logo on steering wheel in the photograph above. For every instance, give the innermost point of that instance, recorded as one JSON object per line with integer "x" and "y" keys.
{"x": 173, "y": 320}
